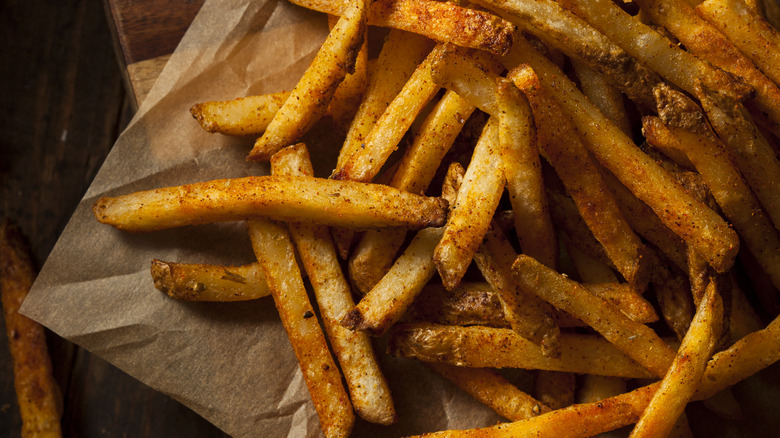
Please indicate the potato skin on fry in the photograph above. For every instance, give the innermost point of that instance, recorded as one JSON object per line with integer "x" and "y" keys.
{"x": 36, "y": 390}
{"x": 304, "y": 199}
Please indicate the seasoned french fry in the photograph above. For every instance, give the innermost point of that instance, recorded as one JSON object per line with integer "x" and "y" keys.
{"x": 491, "y": 389}
{"x": 522, "y": 169}
{"x": 655, "y": 50}
{"x": 376, "y": 250}
{"x": 754, "y": 37}
{"x": 37, "y": 393}
{"x": 342, "y": 203}
{"x": 470, "y": 75}
{"x": 400, "y": 54}
{"x": 349, "y": 94}
{"x": 365, "y": 163}
{"x": 703, "y": 40}
{"x": 555, "y": 389}
{"x": 636, "y": 340}
{"x": 478, "y": 346}
{"x": 727, "y": 187}
{"x": 470, "y": 217}
{"x": 561, "y": 145}
{"x": 191, "y": 282}
{"x": 687, "y": 217}
{"x": 440, "y": 21}
{"x": 563, "y": 30}
{"x": 309, "y": 100}
{"x": 680, "y": 382}
{"x": 625, "y": 298}
{"x": 273, "y": 248}
{"x": 607, "y": 98}
{"x": 243, "y": 116}
{"x": 368, "y": 388}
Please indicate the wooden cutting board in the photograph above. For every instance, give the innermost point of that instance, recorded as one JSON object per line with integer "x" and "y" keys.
{"x": 146, "y": 34}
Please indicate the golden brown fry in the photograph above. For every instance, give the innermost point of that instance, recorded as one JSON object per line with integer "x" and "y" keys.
{"x": 703, "y": 40}
{"x": 274, "y": 251}
{"x": 625, "y": 298}
{"x": 368, "y": 388}
{"x": 440, "y": 21}
{"x": 37, "y": 393}
{"x": 243, "y": 116}
{"x": 376, "y": 250}
{"x": 349, "y": 94}
{"x": 195, "y": 282}
{"x": 478, "y": 346}
{"x": 754, "y": 37}
{"x": 309, "y": 100}
{"x": 470, "y": 217}
{"x": 522, "y": 168}
{"x": 687, "y": 217}
{"x": 636, "y": 340}
{"x": 342, "y": 203}
{"x": 555, "y": 389}
{"x": 491, "y": 389}
{"x": 683, "y": 377}
{"x": 471, "y": 75}
{"x": 729, "y": 190}
{"x": 561, "y": 145}
{"x": 364, "y": 164}
{"x": 655, "y": 50}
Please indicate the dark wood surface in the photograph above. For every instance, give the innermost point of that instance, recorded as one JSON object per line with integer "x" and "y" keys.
{"x": 62, "y": 105}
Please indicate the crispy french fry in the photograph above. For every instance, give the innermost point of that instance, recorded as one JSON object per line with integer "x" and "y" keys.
{"x": 275, "y": 253}
{"x": 364, "y": 164}
{"x": 491, "y": 389}
{"x": 470, "y": 217}
{"x": 37, "y": 393}
{"x": 727, "y": 187}
{"x": 754, "y": 37}
{"x": 563, "y": 30}
{"x": 478, "y": 346}
{"x": 368, "y": 389}
{"x": 555, "y": 389}
{"x": 680, "y": 382}
{"x": 636, "y": 340}
{"x": 342, "y": 203}
{"x": 349, "y": 94}
{"x": 440, "y": 21}
{"x": 703, "y": 40}
{"x": 522, "y": 168}
{"x": 687, "y": 217}
{"x": 376, "y": 250}
{"x": 309, "y": 100}
{"x": 604, "y": 95}
{"x": 196, "y": 282}
{"x": 625, "y": 298}
{"x": 470, "y": 75}
{"x": 243, "y": 116}
{"x": 561, "y": 145}
{"x": 655, "y": 50}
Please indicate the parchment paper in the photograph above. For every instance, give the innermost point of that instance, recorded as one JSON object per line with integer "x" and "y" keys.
{"x": 230, "y": 362}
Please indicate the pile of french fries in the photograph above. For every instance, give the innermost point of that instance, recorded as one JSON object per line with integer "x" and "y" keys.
{"x": 638, "y": 146}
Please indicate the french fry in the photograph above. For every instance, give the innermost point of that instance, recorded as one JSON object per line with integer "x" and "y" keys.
{"x": 754, "y": 37}
{"x": 243, "y": 116}
{"x": 440, "y": 21}
{"x": 655, "y": 50}
{"x": 368, "y": 389}
{"x": 309, "y": 100}
{"x": 471, "y": 303}
{"x": 683, "y": 377}
{"x": 672, "y": 290}
{"x": 375, "y": 251}
{"x": 687, "y": 217}
{"x": 561, "y": 145}
{"x": 625, "y": 298}
{"x": 564, "y": 31}
{"x": 274, "y": 250}
{"x": 703, "y": 40}
{"x": 636, "y": 340}
{"x": 727, "y": 187}
{"x": 470, "y": 75}
{"x": 39, "y": 398}
{"x": 522, "y": 169}
{"x": 383, "y": 140}
{"x": 605, "y": 96}
{"x": 197, "y": 282}
{"x": 470, "y": 217}
{"x": 490, "y": 388}
{"x": 342, "y": 203}
{"x": 555, "y": 389}
{"x": 349, "y": 94}
{"x": 480, "y": 347}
